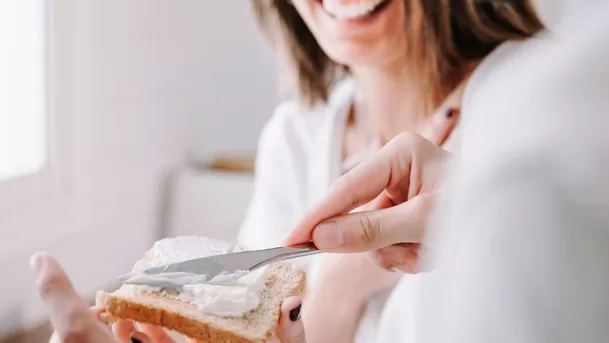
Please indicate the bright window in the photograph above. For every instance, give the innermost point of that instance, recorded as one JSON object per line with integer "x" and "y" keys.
{"x": 23, "y": 87}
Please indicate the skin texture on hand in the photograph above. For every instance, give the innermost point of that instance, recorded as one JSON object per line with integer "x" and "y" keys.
{"x": 400, "y": 180}
{"x": 74, "y": 321}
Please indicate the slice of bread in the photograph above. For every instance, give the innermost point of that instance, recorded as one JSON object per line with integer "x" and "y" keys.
{"x": 169, "y": 311}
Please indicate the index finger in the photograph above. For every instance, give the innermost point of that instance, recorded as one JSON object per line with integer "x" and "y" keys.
{"x": 357, "y": 187}
{"x": 68, "y": 313}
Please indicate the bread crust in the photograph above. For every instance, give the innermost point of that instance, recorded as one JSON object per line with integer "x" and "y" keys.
{"x": 118, "y": 306}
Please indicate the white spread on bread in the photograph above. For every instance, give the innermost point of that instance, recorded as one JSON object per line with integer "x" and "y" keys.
{"x": 226, "y": 295}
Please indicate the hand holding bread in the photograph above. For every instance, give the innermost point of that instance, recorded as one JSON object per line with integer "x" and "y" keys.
{"x": 74, "y": 321}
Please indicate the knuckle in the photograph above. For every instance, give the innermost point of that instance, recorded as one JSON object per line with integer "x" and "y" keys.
{"x": 369, "y": 230}
{"x": 407, "y": 147}
{"x": 408, "y": 139}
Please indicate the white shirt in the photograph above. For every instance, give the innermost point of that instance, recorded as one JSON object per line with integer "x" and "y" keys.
{"x": 521, "y": 248}
{"x": 299, "y": 156}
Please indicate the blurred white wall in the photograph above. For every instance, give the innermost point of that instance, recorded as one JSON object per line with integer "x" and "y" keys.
{"x": 553, "y": 13}
{"x": 141, "y": 86}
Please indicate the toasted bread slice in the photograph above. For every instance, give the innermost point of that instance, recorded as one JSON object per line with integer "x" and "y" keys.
{"x": 170, "y": 312}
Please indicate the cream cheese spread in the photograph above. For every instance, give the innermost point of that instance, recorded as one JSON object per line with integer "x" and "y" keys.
{"x": 225, "y": 295}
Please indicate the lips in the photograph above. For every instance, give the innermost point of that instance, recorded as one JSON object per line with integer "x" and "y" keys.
{"x": 353, "y": 9}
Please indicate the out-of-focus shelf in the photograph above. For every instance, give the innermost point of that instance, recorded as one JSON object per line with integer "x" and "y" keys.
{"x": 241, "y": 163}
{"x": 207, "y": 202}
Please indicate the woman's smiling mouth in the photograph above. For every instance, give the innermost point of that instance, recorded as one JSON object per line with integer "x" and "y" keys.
{"x": 353, "y": 11}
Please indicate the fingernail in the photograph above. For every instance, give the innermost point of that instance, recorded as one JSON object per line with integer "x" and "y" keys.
{"x": 295, "y": 313}
{"x": 35, "y": 261}
{"x": 139, "y": 337}
{"x": 451, "y": 112}
{"x": 328, "y": 235}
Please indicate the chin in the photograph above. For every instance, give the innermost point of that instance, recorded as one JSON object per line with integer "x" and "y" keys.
{"x": 363, "y": 32}
{"x": 353, "y": 56}
{"x": 375, "y": 53}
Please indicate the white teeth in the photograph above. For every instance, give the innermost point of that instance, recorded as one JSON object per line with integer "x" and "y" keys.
{"x": 350, "y": 11}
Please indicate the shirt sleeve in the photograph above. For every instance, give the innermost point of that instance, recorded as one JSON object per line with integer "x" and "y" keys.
{"x": 530, "y": 260}
{"x": 523, "y": 247}
{"x": 272, "y": 210}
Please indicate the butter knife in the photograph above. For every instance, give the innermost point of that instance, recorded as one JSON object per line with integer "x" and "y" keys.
{"x": 211, "y": 266}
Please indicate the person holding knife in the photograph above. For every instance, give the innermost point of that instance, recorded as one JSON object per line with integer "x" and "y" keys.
{"x": 518, "y": 253}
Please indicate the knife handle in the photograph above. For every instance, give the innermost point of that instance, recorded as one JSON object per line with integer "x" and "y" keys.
{"x": 305, "y": 246}
{"x": 288, "y": 253}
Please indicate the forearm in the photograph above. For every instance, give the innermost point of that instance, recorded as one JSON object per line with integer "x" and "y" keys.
{"x": 339, "y": 297}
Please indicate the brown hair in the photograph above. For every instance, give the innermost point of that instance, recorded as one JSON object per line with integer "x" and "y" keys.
{"x": 444, "y": 39}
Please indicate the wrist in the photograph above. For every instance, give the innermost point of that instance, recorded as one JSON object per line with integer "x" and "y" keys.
{"x": 355, "y": 294}
{"x": 335, "y": 307}
{"x": 337, "y": 299}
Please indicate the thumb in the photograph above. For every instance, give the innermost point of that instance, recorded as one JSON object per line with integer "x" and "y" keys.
{"x": 291, "y": 328}
{"x": 68, "y": 313}
{"x": 372, "y": 230}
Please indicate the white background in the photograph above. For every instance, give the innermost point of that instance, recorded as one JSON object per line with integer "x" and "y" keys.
{"x": 139, "y": 87}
